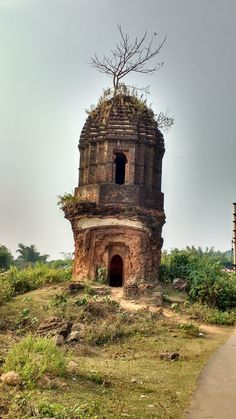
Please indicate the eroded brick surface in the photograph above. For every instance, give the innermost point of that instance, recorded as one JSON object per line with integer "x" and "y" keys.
{"x": 110, "y": 219}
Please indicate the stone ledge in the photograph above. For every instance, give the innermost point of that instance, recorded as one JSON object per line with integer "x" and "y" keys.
{"x": 113, "y": 194}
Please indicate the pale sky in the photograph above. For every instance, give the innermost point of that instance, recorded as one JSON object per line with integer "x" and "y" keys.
{"x": 46, "y": 84}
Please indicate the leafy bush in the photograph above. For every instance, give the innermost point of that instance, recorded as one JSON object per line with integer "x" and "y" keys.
{"x": 207, "y": 282}
{"x": 206, "y": 314}
{"x": 212, "y": 286}
{"x": 33, "y": 357}
{"x": 18, "y": 281}
{"x": 189, "y": 329}
{"x": 177, "y": 264}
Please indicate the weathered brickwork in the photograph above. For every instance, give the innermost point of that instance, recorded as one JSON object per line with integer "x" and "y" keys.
{"x": 117, "y": 214}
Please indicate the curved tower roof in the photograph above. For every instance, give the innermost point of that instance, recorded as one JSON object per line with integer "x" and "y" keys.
{"x": 122, "y": 118}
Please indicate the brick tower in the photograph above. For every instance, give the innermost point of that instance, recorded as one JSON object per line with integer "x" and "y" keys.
{"x": 117, "y": 212}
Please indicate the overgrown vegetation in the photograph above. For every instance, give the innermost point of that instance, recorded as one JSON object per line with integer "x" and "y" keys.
{"x": 207, "y": 281}
{"x": 117, "y": 357}
{"x": 118, "y": 368}
{"x": 189, "y": 329}
{"x": 66, "y": 199}
{"x": 18, "y": 281}
{"x": 211, "y": 315}
{"x": 136, "y": 105}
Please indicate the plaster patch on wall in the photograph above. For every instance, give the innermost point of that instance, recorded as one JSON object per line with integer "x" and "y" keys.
{"x": 87, "y": 222}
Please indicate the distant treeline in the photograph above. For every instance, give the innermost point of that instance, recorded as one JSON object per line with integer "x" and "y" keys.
{"x": 28, "y": 256}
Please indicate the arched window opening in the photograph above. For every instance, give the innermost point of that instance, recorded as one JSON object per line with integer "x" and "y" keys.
{"x": 116, "y": 271}
{"x": 120, "y": 162}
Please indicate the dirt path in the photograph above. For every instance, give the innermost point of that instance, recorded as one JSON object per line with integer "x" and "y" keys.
{"x": 130, "y": 305}
{"x": 215, "y": 397}
{"x": 135, "y": 305}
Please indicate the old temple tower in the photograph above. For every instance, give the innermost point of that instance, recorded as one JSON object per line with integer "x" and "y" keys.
{"x": 117, "y": 212}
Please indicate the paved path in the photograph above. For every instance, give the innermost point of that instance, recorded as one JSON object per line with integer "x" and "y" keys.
{"x": 215, "y": 396}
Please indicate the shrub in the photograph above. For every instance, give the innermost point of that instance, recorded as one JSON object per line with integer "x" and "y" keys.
{"x": 204, "y": 313}
{"x": 189, "y": 329}
{"x": 33, "y": 357}
{"x": 177, "y": 264}
{"x": 18, "y": 281}
{"x": 212, "y": 286}
{"x": 207, "y": 283}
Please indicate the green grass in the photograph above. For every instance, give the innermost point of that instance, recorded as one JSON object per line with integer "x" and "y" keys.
{"x": 120, "y": 373}
{"x": 19, "y": 281}
{"x": 33, "y": 357}
{"x": 211, "y": 315}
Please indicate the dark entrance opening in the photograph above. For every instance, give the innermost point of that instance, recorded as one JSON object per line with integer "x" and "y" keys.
{"x": 116, "y": 272}
{"x": 120, "y": 162}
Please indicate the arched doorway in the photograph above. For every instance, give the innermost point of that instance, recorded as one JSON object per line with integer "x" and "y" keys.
{"x": 116, "y": 271}
{"x": 120, "y": 162}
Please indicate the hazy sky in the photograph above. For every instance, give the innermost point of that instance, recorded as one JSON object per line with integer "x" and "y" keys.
{"x": 46, "y": 84}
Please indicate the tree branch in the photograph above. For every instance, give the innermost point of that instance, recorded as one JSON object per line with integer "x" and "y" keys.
{"x": 128, "y": 57}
